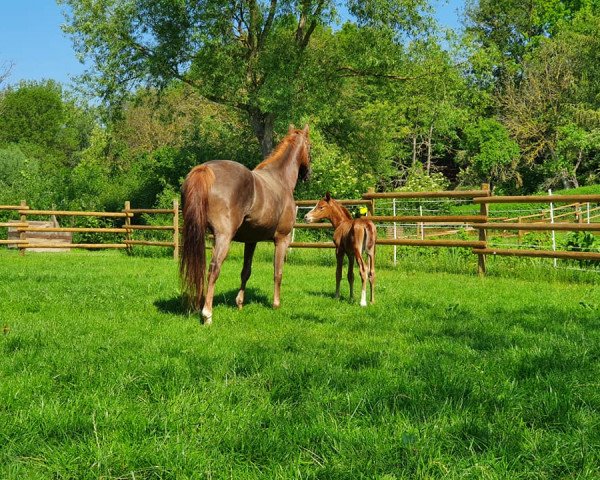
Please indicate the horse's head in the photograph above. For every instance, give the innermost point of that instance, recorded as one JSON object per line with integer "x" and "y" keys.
{"x": 323, "y": 209}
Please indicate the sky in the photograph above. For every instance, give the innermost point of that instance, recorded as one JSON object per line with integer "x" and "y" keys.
{"x": 32, "y": 41}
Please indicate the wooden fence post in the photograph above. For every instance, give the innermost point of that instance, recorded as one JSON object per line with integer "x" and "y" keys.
{"x": 128, "y": 235}
{"x": 23, "y": 219}
{"x": 483, "y": 210}
{"x": 371, "y": 205}
{"x": 175, "y": 229}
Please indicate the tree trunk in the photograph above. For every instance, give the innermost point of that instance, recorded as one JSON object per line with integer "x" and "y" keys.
{"x": 429, "y": 146}
{"x": 262, "y": 124}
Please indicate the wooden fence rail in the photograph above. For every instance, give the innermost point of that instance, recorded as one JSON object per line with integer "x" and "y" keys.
{"x": 481, "y": 223}
{"x": 23, "y": 227}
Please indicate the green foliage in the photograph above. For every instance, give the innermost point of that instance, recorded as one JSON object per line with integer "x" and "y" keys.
{"x": 581, "y": 242}
{"x": 332, "y": 171}
{"x": 417, "y": 180}
{"x": 35, "y": 113}
{"x": 14, "y": 165}
{"x": 491, "y": 155}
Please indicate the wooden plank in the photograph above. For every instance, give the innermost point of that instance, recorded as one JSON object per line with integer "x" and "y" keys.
{"x": 538, "y": 253}
{"x": 440, "y": 194}
{"x": 14, "y": 207}
{"x": 484, "y": 211}
{"x": 150, "y": 242}
{"x": 445, "y": 219}
{"x": 540, "y": 199}
{"x": 574, "y": 227}
{"x": 431, "y": 243}
{"x": 312, "y": 203}
{"x": 13, "y": 242}
{"x": 429, "y": 218}
{"x": 68, "y": 213}
{"x": 72, "y": 229}
{"x": 312, "y": 245}
{"x": 148, "y": 210}
{"x": 175, "y": 229}
{"x": 313, "y": 226}
{"x": 74, "y": 245}
{"x": 14, "y": 224}
{"x": 149, "y": 227}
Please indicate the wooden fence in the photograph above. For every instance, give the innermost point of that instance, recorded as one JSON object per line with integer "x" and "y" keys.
{"x": 127, "y": 229}
{"x": 482, "y": 222}
{"x": 577, "y": 207}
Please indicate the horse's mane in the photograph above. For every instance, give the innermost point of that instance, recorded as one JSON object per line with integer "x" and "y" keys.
{"x": 289, "y": 141}
{"x": 343, "y": 209}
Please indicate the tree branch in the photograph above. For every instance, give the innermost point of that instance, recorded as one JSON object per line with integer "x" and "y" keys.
{"x": 175, "y": 73}
{"x": 268, "y": 24}
{"x": 313, "y": 24}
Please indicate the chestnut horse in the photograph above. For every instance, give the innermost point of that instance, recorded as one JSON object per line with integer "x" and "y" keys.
{"x": 352, "y": 236}
{"x": 237, "y": 204}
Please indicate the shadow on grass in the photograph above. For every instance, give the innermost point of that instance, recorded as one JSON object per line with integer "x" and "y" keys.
{"x": 178, "y": 306}
{"x": 322, "y": 294}
{"x": 252, "y": 295}
{"x": 174, "y": 305}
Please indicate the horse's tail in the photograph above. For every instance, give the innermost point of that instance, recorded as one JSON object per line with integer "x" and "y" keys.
{"x": 192, "y": 267}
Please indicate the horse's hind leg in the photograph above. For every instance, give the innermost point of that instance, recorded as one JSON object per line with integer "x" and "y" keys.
{"x": 281, "y": 244}
{"x": 219, "y": 253}
{"x": 338, "y": 271}
{"x": 351, "y": 274}
{"x": 249, "y": 249}
{"x": 363, "y": 276}
{"x": 371, "y": 255}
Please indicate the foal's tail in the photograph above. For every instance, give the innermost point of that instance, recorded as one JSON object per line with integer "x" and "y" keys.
{"x": 192, "y": 267}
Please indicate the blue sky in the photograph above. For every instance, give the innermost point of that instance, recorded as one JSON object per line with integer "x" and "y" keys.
{"x": 31, "y": 38}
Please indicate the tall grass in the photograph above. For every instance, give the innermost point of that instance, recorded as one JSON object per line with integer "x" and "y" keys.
{"x": 104, "y": 375}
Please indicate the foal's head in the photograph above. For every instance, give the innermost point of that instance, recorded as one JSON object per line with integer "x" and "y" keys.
{"x": 327, "y": 208}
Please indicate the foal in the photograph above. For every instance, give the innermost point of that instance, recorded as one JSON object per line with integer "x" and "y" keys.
{"x": 351, "y": 238}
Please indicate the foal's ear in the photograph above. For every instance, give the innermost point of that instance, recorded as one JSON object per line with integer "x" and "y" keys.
{"x": 291, "y": 129}
{"x": 328, "y": 196}
{"x": 305, "y": 130}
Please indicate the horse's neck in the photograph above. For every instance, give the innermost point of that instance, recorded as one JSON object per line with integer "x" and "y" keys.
{"x": 285, "y": 167}
{"x": 339, "y": 214}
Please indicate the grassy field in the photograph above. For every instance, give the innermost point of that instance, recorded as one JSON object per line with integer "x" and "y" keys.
{"x": 104, "y": 375}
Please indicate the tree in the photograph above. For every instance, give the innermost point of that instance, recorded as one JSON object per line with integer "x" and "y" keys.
{"x": 505, "y": 31}
{"x": 491, "y": 155}
{"x": 260, "y": 57}
{"x": 5, "y": 69}
{"x": 37, "y": 114}
{"x": 553, "y": 112}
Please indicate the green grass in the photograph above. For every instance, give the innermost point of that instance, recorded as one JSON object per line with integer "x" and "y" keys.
{"x": 104, "y": 375}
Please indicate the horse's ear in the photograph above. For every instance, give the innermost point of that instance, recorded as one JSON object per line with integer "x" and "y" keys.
{"x": 291, "y": 129}
{"x": 328, "y": 196}
{"x": 305, "y": 130}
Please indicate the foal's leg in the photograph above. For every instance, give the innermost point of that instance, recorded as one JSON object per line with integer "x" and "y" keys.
{"x": 371, "y": 254}
{"x": 219, "y": 253}
{"x": 281, "y": 244}
{"x": 249, "y": 249}
{"x": 357, "y": 246}
{"x": 363, "y": 276}
{"x": 351, "y": 273}
{"x": 338, "y": 271}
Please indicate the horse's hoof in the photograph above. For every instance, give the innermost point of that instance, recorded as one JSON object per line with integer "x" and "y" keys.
{"x": 206, "y": 318}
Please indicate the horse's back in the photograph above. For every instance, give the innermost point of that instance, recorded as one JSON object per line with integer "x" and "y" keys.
{"x": 231, "y": 193}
